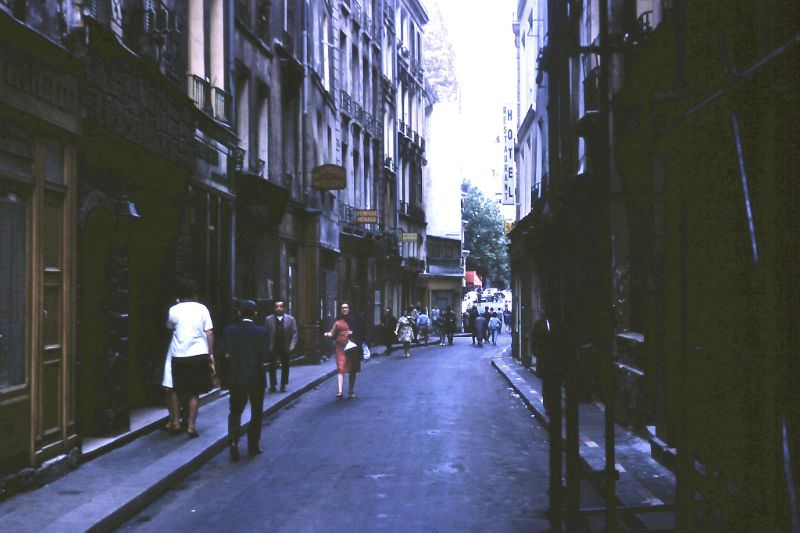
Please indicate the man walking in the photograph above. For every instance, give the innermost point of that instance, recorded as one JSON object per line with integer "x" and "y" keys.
{"x": 283, "y": 340}
{"x": 448, "y": 325}
{"x": 388, "y": 323}
{"x": 245, "y": 348}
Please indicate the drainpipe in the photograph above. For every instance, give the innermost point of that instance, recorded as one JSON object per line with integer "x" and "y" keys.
{"x": 304, "y": 116}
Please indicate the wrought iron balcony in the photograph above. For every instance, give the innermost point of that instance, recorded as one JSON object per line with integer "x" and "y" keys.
{"x": 200, "y": 92}
{"x": 412, "y": 211}
{"x": 388, "y": 164}
{"x": 355, "y": 10}
{"x": 222, "y": 105}
{"x": 347, "y": 214}
{"x": 388, "y": 12}
{"x": 347, "y": 103}
{"x": 367, "y": 25}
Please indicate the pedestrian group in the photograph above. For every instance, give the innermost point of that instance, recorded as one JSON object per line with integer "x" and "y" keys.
{"x": 249, "y": 350}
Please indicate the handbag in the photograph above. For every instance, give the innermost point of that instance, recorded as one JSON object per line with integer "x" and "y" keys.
{"x": 349, "y": 347}
{"x": 365, "y": 352}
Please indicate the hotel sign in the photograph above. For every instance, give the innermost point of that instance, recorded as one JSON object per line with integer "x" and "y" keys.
{"x": 408, "y": 237}
{"x": 366, "y": 216}
{"x": 328, "y": 178}
{"x": 509, "y": 166}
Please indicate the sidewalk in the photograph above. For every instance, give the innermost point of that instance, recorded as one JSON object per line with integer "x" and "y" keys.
{"x": 642, "y": 481}
{"x": 103, "y": 492}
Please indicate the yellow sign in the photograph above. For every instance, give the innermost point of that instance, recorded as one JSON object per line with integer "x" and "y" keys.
{"x": 366, "y": 216}
{"x": 328, "y": 178}
{"x": 408, "y": 237}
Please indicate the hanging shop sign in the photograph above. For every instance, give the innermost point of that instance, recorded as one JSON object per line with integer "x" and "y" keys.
{"x": 366, "y": 216}
{"x": 408, "y": 237}
{"x": 328, "y": 178}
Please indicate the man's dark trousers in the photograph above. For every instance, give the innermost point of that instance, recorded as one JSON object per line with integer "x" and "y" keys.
{"x": 240, "y": 395}
{"x": 279, "y": 355}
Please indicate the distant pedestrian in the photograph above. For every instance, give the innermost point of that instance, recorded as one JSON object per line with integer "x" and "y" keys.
{"x": 244, "y": 347}
{"x": 414, "y": 316}
{"x": 507, "y": 317}
{"x": 423, "y": 326}
{"x": 495, "y": 324}
{"x": 388, "y": 323}
{"x": 192, "y": 357}
{"x": 405, "y": 331}
{"x": 345, "y": 329}
{"x": 283, "y": 342}
{"x": 472, "y": 314}
{"x": 487, "y": 314}
{"x": 435, "y": 323}
{"x": 480, "y": 329}
{"x": 448, "y": 325}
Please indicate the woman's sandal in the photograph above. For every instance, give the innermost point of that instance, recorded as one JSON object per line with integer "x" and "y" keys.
{"x": 351, "y": 396}
{"x": 193, "y": 433}
{"x": 339, "y": 395}
{"x": 172, "y": 429}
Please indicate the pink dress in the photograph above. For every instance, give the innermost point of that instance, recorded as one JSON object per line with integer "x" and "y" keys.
{"x": 341, "y": 333}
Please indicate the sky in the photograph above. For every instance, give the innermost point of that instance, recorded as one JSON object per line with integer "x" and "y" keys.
{"x": 483, "y": 41}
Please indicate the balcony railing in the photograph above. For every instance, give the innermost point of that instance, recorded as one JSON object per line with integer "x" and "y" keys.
{"x": 200, "y": 92}
{"x": 222, "y": 105}
{"x": 355, "y": 9}
{"x": 347, "y": 214}
{"x": 367, "y": 25}
{"x": 263, "y": 17}
{"x": 388, "y": 163}
{"x": 412, "y": 211}
{"x": 347, "y": 103}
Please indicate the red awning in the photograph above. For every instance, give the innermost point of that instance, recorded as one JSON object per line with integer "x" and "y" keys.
{"x": 473, "y": 279}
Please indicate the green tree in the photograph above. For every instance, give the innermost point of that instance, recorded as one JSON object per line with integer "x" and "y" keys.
{"x": 484, "y": 237}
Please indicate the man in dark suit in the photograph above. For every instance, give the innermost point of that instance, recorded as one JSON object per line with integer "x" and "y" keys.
{"x": 283, "y": 341}
{"x": 245, "y": 347}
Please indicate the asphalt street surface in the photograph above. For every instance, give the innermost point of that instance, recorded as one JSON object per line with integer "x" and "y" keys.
{"x": 435, "y": 442}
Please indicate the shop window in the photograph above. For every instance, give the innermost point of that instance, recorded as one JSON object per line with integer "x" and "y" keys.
{"x": 13, "y": 261}
{"x": 53, "y": 161}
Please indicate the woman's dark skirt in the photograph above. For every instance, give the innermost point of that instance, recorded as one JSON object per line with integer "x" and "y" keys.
{"x": 191, "y": 375}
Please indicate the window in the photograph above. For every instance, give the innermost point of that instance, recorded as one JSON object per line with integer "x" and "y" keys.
{"x": 13, "y": 261}
{"x": 263, "y": 135}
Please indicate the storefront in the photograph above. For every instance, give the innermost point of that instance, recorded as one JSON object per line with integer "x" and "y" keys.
{"x": 39, "y": 124}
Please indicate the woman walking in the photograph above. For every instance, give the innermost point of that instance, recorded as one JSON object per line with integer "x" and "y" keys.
{"x": 495, "y": 324}
{"x": 345, "y": 329}
{"x": 405, "y": 331}
{"x": 191, "y": 356}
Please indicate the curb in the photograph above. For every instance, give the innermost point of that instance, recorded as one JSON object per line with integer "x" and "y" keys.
{"x": 139, "y": 502}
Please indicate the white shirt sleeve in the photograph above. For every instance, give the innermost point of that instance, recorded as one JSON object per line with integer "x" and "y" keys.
{"x": 170, "y": 320}
{"x": 207, "y": 324}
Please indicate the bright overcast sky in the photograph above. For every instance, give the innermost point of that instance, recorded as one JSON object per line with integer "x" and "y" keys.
{"x": 486, "y": 68}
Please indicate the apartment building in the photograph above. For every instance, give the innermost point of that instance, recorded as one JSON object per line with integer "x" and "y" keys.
{"x": 411, "y": 103}
{"x": 641, "y": 237}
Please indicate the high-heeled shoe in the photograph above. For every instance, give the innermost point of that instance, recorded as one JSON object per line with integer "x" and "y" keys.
{"x": 339, "y": 396}
{"x": 192, "y": 433}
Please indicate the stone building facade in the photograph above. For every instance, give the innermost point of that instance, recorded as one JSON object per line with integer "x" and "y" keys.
{"x": 654, "y": 236}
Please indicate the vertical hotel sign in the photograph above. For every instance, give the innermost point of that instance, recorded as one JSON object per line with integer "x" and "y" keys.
{"x": 509, "y": 172}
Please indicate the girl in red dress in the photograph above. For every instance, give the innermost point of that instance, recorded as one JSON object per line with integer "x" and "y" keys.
{"x": 343, "y": 330}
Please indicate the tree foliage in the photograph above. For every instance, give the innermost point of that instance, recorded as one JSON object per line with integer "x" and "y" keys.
{"x": 484, "y": 237}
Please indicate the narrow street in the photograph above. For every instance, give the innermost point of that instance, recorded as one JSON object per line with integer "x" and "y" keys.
{"x": 436, "y": 442}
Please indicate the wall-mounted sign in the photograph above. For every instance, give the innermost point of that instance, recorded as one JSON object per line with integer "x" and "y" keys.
{"x": 366, "y": 216}
{"x": 509, "y": 165}
{"x": 328, "y": 178}
{"x": 408, "y": 237}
